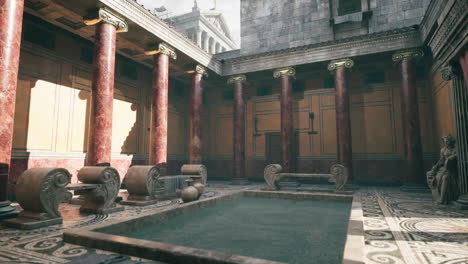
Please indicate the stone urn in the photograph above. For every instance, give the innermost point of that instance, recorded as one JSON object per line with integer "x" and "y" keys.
{"x": 200, "y": 188}
{"x": 189, "y": 193}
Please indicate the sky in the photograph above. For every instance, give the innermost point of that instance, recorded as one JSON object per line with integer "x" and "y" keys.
{"x": 229, "y": 8}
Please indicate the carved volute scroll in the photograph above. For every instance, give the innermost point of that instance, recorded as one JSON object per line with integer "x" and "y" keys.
{"x": 41, "y": 190}
{"x": 141, "y": 180}
{"x": 410, "y": 54}
{"x": 105, "y": 15}
{"x": 341, "y": 63}
{"x": 108, "y": 185}
{"x": 289, "y": 71}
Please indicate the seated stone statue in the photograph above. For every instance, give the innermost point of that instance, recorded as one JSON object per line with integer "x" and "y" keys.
{"x": 443, "y": 177}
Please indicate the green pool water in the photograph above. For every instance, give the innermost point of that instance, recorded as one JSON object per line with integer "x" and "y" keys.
{"x": 274, "y": 229}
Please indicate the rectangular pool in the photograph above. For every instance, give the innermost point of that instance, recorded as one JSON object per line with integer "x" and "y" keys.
{"x": 246, "y": 227}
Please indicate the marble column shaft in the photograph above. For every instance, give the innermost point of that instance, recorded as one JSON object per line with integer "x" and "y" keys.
{"x": 464, "y": 65}
{"x": 343, "y": 121}
{"x": 286, "y": 75}
{"x": 11, "y": 20}
{"x": 410, "y": 116}
{"x": 159, "y": 111}
{"x": 100, "y": 136}
{"x": 414, "y": 155}
{"x": 343, "y": 116}
{"x": 196, "y": 100}
{"x": 239, "y": 127}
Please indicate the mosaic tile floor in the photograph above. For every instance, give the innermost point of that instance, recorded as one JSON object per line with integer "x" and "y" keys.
{"x": 399, "y": 228}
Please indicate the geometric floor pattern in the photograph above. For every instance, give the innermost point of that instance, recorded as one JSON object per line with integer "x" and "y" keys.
{"x": 402, "y": 227}
{"x": 399, "y": 227}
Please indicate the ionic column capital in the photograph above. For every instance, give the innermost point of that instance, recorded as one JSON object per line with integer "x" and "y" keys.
{"x": 237, "y": 78}
{"x": 289, "y": 71}
{"x": 201, "y": 70}
{"x": 107, "y": 16}
{"x": 163, "y": 48}
{"x": 449, "y": 72}
{"x": 340, "y": 64}
{"x": 408, "y": 54}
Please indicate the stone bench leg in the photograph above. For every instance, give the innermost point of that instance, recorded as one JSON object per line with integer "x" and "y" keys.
{"x": 272, "y": 175}
{"x": 141, "y": 184}
{"x": 100, "y": 200}
{"x": 39, "y": 191}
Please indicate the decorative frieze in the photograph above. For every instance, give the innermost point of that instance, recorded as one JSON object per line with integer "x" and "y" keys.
{"x": 290, "y": 71}
{"x": 237, "y": 78}
{"x": 341, "y": 63}
{"x": 407, "y": 55}
{"x": 105, "y": 15}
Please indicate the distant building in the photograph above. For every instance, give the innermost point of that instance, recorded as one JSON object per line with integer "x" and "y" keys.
{"x": 207, "y": 28}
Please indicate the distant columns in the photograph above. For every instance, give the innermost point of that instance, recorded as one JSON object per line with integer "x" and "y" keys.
{"x": 410, "y": 115}
{"x": 159, "y": 105}
{"x": 205, "y": 43}
{"x": 286, "y": 76}
{"x": 11, "y": 20}
{"x": 100, "y": 133}
{"x": 239, "y": 126}
{"x": 199, "y": 38}
{"x": 343, "y": 116}
{"x": 196, "y": 101}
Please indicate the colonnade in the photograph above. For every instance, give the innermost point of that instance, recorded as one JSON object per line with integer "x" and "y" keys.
{"x": 206, "y": 42}
{"x": 109, "y": 24}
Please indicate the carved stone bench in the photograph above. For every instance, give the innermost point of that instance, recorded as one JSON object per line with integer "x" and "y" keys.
{"x": 145, "y": 186}
{"x": 39, "y": 192}
{"x": 338, "y": 175}
{"x": 99, "y": 188}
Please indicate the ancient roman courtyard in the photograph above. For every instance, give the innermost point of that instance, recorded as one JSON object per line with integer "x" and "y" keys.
{"x": 247, "y": 131}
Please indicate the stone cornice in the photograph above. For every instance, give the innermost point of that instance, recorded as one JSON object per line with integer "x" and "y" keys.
{"x": 450, "y": 37}
{"x": 237, "y": 78}
{"x": 356, "y": 46}
{"x": 104, "y": 15}
{"x": 289, "y": 71}
{"x": 409, "y": 54}
{"x": 340, "y": 64}
{"x": 146, "y": 20}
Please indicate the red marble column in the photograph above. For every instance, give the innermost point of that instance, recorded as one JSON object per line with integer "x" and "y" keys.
{"x": 239, "y": 127}
{"x": 100, "y": 136}
{"x": 286, "y": 75}
{"x": 160, "y": 106}
{"x": 464, "y": 65}
{"x": 410, "y": 115}
{"x": 343, "y": 116}
{"x": 196, "y": 100}
{"x": 159, "y": 111}
{"x": 11, "y": 20}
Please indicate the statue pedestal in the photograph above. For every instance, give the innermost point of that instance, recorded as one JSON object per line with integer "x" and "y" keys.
{"x": 462, "y": 202}
{"x": 407, "y": 187}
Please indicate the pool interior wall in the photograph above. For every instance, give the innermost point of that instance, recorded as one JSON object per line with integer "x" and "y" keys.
{"x": 211, "y": 222}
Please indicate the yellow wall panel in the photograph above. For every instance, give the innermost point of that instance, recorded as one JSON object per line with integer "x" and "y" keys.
{"x": 124, "y": 127}
{"x": 224, "y": 136}
{"x": 42, "y": 114}
{"x": 79, "y": 120}
{"x": 23, "y": 96}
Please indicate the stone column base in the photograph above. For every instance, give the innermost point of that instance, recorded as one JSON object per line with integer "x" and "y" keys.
{"x": 462, "y": 202}
{"x": 411, "y": 187}
{"x": 239, "y": 181}
{"x": 7, "y": 211}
